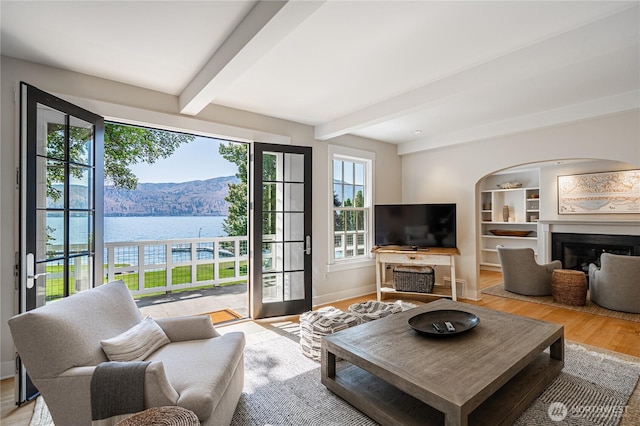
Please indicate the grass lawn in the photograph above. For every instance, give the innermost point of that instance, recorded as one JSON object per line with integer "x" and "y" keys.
{"x": 154, "y": 278}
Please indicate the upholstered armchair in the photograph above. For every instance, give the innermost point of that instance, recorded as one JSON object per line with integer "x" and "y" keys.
{"x": 62, "y": 345}
{"x": 522, "y": 274}
{"x": 616, "y": 283}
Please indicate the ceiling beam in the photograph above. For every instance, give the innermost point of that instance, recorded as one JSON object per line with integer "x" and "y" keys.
{"x": 590, "y": 109}
{"x": 265, "y": 25}
{"x": 587, "y": 41}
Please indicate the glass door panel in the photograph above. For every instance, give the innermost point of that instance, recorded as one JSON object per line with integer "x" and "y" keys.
{"x": 282, "y": 229}
{"x": 60, "y": 205}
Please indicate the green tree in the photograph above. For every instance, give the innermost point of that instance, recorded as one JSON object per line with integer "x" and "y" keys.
{"x": 124, "y": 146}
{"x": 235, "y": 224}
{"x": 128, "y": 145}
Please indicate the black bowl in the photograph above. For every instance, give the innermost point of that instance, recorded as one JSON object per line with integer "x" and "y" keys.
{"x": 460, "y": 320}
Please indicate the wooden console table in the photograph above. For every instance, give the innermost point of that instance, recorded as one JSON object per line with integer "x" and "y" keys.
{"x": 422, "y": 257}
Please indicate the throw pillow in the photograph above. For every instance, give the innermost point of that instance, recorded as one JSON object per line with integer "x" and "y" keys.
{"x": 136, "y": 343}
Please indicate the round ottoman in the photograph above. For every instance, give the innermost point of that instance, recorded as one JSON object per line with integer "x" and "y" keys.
{"x": 569, "y": 287}
{"x": 322, "y": 322}
{"x": 373, "y": 310}
{"x": 162, "y": 416}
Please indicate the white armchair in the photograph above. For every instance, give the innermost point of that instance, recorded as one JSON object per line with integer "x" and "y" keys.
{"x": 60, "y": 346}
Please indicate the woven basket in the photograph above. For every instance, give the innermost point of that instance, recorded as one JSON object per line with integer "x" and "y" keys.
{"x": 162, "y": 416}
{"x": 569, "y": 287}
{"x": 418, "y": 279}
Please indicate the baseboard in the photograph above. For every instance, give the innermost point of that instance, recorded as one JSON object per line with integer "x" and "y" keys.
{"x": 7, "y": 369}
{"x": 343, "y": 295}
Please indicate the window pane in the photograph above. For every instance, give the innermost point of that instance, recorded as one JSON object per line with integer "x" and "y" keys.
{"x": 359, "y": 178}
{"x": 348, "y": 195}
{"x": 294, "y": 226}
{"x": 338, "y": 220}
{"x": 337, "y": 171}
{"x": 53, "y": 123}
{"x": 80, "y": 196}
{"x": 360, "y": 220}
{"x": 351, "y": 220}
{"x": 272, "y": 196}
{"x": 80, "y": 141}
{"x": 272, "y": 226}
{"x": 51, "y": 231}
{"x": 294, "y": 286}
{"x": 272, "y": 166}
{"x": 272, "y": 288}
{"x": 348, "y": 172}
{"x": 359, "y": 196}
{"x": 272, "y": 257}
{"x": 50, "y": 188}
{"x": 295, "y": 167}
{"x": 294, "y": 197}
{"x": 337, "y": 195}
{"x": 80, "y": 232}
{"x": 293, "y": 256}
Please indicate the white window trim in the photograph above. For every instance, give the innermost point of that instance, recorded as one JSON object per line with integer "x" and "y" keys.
{"x": 346, "y": 153}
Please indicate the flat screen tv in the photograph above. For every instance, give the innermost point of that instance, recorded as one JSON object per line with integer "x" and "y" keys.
{"x": 414, "y": 226}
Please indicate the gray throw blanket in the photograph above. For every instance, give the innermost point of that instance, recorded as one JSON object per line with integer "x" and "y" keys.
{"x": 117, "y": 388}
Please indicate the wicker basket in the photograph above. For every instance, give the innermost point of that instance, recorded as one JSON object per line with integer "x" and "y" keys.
{"x": 418, "y": 279}
{"x": 569, "y": 287}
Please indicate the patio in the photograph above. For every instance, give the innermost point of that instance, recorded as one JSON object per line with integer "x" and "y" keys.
{"x": 182, "y": 277}
{"x": 197, "y": 301}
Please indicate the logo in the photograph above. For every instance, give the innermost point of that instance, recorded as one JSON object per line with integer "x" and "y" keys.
{"x": 557, "y": 411}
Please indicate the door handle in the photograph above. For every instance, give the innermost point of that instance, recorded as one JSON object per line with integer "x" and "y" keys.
{"x": 307, "y": 243}
{"x": 31, "y": 269}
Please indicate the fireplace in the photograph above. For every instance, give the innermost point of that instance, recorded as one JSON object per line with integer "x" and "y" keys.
{"x": 577, "y": 251}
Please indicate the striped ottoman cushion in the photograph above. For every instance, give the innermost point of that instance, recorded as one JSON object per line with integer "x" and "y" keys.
{"x": 324, "y": 321}
{"x": 373, "y": 310}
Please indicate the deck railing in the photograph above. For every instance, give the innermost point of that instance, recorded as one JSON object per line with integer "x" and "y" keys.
{"x": 168, "y": 265}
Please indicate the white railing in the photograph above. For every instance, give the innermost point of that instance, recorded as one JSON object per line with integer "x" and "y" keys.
{"x": 167, "y": 265}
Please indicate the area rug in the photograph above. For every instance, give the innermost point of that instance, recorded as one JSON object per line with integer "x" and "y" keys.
{"x": 222, "y": 316}
{"x": 589, "y": 308}
{"x": 282, "y": 387}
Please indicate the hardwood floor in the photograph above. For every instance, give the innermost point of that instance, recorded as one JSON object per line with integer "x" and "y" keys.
{"x": 602, "y": 332}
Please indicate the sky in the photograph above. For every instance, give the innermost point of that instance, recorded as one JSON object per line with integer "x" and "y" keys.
{"x": 197, "y": 160}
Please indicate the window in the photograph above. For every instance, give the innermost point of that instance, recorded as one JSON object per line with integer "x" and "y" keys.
{"x": 351, "y": 218}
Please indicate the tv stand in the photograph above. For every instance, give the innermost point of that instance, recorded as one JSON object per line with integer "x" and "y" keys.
{"x": 420, "y": 257}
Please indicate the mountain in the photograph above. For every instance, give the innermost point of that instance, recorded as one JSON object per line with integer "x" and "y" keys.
{"x": 195, "y": 198}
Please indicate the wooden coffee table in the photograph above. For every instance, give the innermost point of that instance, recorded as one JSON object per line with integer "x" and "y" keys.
{"x": 487, "y": 375}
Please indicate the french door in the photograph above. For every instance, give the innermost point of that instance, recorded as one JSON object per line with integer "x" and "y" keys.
{"x": 281, "y": 230}
{"x": 61, "y": 180}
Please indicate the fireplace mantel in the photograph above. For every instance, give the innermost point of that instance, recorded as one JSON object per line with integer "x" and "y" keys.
{"x": 607, "y": 227}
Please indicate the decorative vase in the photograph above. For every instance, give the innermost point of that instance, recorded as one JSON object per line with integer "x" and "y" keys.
{"x": 505, "y": 213}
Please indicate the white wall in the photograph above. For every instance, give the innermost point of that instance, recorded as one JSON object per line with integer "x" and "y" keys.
{"x": 451, "y": 174}
{"x": 131, "y": 104}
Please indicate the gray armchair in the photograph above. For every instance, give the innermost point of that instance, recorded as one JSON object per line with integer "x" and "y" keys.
{"x": 522, "y": 274}
{"x": 61, "y": 346}
{"x": 616, "y": 284}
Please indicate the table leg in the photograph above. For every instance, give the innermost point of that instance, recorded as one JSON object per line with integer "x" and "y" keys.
{"x": 378, "y": 276}
{"x": 454, "y": 287}
{"x": 557, "y": 349}
{"x": 328, "y": 365}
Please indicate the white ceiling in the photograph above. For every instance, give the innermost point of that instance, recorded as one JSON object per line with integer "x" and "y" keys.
{"x": 457, "y": 71}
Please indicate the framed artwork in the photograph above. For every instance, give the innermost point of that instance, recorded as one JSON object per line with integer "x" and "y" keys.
{"x": 606, "y": 192}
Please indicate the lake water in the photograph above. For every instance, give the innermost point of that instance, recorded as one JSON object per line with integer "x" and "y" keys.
{"x": 121, "y": 229}
{"x": 161, "y": 228}
{"x": 117, "y": 229}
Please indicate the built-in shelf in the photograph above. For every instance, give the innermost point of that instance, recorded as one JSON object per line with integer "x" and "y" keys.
{"x": 524, "y": 210}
